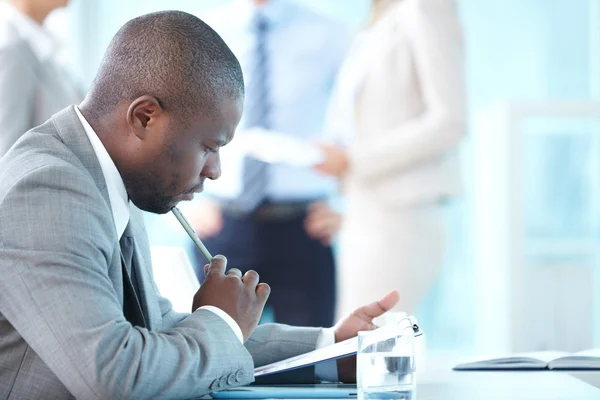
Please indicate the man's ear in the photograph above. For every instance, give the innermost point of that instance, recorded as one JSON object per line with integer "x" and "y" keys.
{"x": 141, "y": 113}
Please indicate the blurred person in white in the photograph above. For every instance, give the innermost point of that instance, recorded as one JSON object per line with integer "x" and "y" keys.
{"x": 32, "y": 85}
{"x": 395, "y": 121}
{"x": 256, "y": 213}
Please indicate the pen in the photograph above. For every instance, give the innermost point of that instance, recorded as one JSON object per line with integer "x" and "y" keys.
{"x": 190, "y": 231}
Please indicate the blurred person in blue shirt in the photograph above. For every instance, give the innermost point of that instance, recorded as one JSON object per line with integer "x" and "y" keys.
{"x": 255, "y": 214}
{"x": 32, "y": 85}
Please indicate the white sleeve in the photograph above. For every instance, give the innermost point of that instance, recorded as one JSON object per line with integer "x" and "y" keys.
{"x": 230, "y": 321}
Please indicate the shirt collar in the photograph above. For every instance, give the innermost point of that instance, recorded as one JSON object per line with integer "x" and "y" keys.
{"x": 117, "y": 194}
{"x": 39, "y": 39}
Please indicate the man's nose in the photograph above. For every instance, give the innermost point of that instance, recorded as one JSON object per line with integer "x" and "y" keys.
{"x": 212, "y": 168}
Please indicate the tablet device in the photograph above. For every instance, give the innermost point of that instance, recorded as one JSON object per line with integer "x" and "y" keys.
{"x": 306, "y": 391}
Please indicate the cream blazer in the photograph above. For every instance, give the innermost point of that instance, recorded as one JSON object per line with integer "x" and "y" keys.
{"x": 399, "y": 106}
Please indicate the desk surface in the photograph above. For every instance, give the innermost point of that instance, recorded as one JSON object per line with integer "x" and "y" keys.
{"x": 504, "y": 385}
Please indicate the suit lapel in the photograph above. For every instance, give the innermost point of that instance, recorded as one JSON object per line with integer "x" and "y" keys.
{"x": 73, "y": 135}
{"x": 371, "y": 43}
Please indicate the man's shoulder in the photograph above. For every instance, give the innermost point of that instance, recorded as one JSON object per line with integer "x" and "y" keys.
{"x": 41, "y": 153}
{"x": 44, "y": 183}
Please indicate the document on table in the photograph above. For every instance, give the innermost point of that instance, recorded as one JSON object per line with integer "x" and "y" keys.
{"x": 332, "y": 352}
{"x": 588, "y": 359}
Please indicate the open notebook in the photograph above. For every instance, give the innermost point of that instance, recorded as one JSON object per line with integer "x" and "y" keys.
{"x": 588, "y": 359}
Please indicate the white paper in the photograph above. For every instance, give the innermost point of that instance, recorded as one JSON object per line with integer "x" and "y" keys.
{"x": 278, "y": 148}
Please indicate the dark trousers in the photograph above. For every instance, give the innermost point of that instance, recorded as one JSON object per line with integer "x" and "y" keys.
{"x": 299, "y": 270}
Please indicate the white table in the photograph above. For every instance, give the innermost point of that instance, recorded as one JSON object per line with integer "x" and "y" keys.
{"x": 506, "y": 385}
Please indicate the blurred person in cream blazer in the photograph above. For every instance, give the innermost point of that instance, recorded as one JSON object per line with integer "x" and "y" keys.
{"x": 32, "y": 85}
{"x": 395, "y": 121}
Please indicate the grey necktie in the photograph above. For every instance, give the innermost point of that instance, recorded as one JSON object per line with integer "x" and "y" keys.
{"x": 132, "y": 308}
{"x": 255, "y": 176}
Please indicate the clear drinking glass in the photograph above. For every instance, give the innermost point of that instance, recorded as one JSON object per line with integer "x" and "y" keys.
{"x": 386, "y": 363}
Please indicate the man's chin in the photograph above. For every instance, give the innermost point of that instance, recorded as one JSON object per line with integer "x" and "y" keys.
{"x": 156, "y": 208}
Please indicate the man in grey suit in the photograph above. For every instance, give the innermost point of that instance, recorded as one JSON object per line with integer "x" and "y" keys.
{"x": 80, "y": 315}
{"x": 32, "y": 85}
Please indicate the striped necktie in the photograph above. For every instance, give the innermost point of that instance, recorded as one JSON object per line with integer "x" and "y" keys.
{"x": 255, "y": 176}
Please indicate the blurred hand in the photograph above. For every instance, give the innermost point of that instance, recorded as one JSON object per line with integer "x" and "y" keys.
{"x": 206, "y": 219}
{"x": 322, "y": 222}
{"x": 361, "y": 319}
{"x": 242, "y": 297}
{"x": 336, "y": 161}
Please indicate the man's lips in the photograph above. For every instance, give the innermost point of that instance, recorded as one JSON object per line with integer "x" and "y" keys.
{"x": 189, "y": 195}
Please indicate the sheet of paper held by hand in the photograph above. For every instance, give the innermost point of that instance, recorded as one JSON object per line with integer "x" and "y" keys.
{"x": 278, "y": 148}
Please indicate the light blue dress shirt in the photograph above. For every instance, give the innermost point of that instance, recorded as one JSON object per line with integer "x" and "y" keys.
{"x": 305, "y": 51}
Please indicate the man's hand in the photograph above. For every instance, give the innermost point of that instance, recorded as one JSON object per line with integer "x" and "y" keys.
{"x": 336, "y": 161}
{"x": 322, "y": 222}
{"x": 206, "y": 218}
{"x": 242, "y": 297}
{"x": 361, "y": 319}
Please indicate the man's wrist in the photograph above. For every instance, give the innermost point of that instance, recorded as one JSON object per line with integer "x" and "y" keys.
{"x": 227, "y": 318}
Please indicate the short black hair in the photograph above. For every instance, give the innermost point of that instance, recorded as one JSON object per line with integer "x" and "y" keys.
{"x": 173, "y": 56}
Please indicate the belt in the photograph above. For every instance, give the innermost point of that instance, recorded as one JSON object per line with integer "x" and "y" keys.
{"x": 269, "y": 211}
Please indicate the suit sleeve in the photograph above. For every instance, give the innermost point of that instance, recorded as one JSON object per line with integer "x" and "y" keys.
{"x": 17, "y": 88}
{"x": 56, "y": 244}
{"x": 436, "y": 43}
{"x": 275, "y": 342}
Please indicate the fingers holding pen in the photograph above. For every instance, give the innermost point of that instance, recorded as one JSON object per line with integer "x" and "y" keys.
{"x": 216, "y": 267}
{"x": 262, "y": 290}
{"x": 240, "y": 295}
{"x": 234, "y": 272}
{"x": 251, "y": 277}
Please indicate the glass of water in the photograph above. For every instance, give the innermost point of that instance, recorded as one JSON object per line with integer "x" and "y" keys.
{"x": 386, "y": 363}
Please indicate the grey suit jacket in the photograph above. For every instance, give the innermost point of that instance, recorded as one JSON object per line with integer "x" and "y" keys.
{"x": 62, "y": 329}
{"x": 30, "y": 90}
